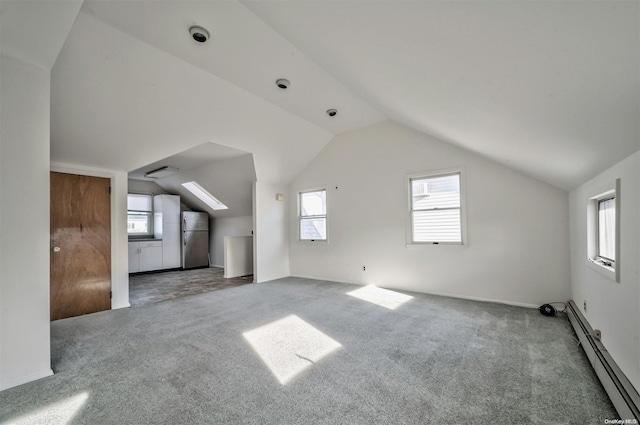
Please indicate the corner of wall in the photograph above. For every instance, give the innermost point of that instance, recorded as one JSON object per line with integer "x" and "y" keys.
{"x": 602, "y": 294}
{"x": 271, "y": 233}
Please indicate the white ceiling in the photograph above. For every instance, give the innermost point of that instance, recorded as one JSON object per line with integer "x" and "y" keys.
{"x": 199, "y": 156}
{"x": 548, "y": 87}
{"x": 225, "y": 172}
{"x": 242, "y": 50}
{"x": 230, "y": 180}
{"x": 34, "y": 31}
{"x": 119, "y": 103}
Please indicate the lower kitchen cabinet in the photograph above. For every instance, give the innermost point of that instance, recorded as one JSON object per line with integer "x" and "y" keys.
{"x": 145, "y": 256}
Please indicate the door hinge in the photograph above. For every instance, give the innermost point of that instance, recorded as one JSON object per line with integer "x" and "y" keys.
{"x": 109, "y": 189}
{"x": 110, "y": 294}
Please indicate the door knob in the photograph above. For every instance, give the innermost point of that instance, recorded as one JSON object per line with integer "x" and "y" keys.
{"x": 56, "y": 249}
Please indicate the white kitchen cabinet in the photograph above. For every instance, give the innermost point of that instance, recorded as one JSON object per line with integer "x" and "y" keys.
{"x": 166, "y": 226}
{"x": 145, "y": 256}
{"x": 134, "y": 257}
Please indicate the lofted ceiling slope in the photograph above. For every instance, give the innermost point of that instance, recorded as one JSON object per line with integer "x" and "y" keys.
{"x": 119, "y": 103}
{"x": 242, "y": 50}
{"x": 550, "y": 88}
{"x": 34, "y": 31}
{"x": 226, "y": 173}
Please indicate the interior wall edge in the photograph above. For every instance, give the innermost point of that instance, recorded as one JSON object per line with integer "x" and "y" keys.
{"x": 25, "y": 379}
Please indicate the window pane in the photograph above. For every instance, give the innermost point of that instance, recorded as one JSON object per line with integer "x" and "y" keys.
{"x": 138, "y": 223}
{"x": 313, "y": 203}
{"x": 139, "y": 202}
{"x": 607, "y": 228}
{"x": 436, "y": 192}
{"x": 437, "y": 226}
{"x": 313, "y": 228}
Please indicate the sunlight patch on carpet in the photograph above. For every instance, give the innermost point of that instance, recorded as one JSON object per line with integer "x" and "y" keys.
{"x": 290, "y": 345}
{"x": 379, "y": 296}
{"x": 59, "y": 413}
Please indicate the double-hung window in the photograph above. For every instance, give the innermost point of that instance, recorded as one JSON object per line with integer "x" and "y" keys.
{"x": 607, "y": 231}
{"x": 139, "y": 214}
{"x": 312, "y": 215}
{"x": 603, "y": 231}
{"x": 435, "y": 208}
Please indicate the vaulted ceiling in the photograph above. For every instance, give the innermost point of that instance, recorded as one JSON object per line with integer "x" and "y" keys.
{"x": 549, "y": 88}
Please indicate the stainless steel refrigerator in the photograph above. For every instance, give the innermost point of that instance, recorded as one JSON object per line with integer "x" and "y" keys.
{"x": 195, "y": 239}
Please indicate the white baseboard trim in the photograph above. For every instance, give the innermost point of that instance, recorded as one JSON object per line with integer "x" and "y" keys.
{"x": 440, "y": 294}
{"x": 215, "y": 265}
{"x": 118, "y": 307}
{"x": 25, "y": 379}
{"x": 621, "y": 391}
{"x": 486, "y": 300}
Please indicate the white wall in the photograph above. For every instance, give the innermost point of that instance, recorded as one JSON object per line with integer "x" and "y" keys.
{"x": 271, "y": 243}
{"x": 238, "y": 256}
{"x": 517, "y": 227}
{"x": 611, "y": 307}
{"x": 227, "y": 226}
{"x": 24, "y": 223}
{"x": 144, "y": 186}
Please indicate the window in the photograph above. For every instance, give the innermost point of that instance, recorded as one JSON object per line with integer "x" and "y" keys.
{"x": 139, "y": 215}
{"x": 607, "y": 230}
{"x": 312, "y": 215}
{"x": 603, "y": 231}
{"x": 435, "y": 208}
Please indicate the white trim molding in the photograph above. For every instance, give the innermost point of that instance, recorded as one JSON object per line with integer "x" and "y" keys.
{"x": 119, "y": 239}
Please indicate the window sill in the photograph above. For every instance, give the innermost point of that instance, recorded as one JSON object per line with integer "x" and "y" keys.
{"x": 417, "y": 244}
{"x": 608, "y": 271}
{"x": 313, "y": 241}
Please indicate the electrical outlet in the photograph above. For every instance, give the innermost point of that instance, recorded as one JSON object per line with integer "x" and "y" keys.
{"x": 584, "y": 307}
{"x": 364, "y": 268}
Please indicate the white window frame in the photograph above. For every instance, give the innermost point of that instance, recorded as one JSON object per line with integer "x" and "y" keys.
{"x": 606, "y": 266}
{"x": 149, "y": 215}
{"x": 409, "y": 221}
{"x": 325, "y": 216}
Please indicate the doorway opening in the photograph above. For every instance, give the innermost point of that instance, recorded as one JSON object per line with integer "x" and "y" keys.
{"x": 191, "y": 246}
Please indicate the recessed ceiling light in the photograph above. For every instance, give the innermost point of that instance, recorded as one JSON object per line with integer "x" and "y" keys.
{"x": 283, "y": 83}
{"x": 332, "y": 112}
{"x": 199, "y": 34}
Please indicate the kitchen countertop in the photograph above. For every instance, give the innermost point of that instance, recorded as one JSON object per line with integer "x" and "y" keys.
{"x": 145, "y": 240}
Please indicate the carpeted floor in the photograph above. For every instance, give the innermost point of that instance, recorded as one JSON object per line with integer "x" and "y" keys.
{"x": 150, "y": 288}
{"x": 297, "y": 351}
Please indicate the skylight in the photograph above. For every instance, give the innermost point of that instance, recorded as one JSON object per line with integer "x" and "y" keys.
{"x": 204, "y": 196}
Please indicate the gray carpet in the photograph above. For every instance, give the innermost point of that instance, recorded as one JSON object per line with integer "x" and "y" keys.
{"x": 431, "y": 360}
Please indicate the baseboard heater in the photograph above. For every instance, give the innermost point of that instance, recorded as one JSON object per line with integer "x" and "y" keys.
{"x": 623, "y": 395}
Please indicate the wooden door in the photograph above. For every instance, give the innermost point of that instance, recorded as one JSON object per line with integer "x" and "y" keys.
{"x": 80, "y": 245}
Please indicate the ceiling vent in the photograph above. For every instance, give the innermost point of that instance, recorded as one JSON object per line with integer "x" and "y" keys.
{"x": 158, "y": 173}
